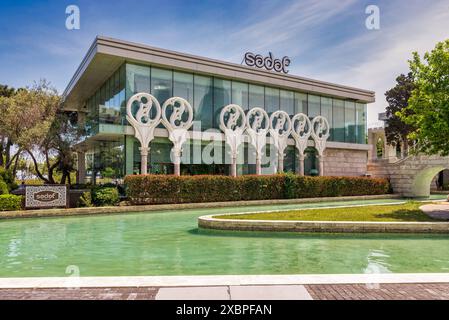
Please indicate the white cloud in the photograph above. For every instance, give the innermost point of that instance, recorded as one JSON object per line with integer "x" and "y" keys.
{"x": 385, "y": 52}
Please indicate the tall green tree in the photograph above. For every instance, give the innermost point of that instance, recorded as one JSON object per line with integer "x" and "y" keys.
{"x": 6, "y": 91}
{"x": 35, "y": 123}
{"x": 428, "y": 107}
{"x": 9, "y": 155}
{"x": 396, "y": 130}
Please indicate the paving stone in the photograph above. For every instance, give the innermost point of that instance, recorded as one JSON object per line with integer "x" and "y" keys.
{"x": 291, "y": 292}
{"x": 194, "y": 293}
{"x": 410, "y": 291}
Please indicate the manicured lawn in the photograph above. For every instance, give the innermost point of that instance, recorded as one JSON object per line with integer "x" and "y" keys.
{"x": 402, "y": 212}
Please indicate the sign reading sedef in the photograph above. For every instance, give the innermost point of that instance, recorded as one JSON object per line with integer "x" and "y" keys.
{"x": 269, "y": 63}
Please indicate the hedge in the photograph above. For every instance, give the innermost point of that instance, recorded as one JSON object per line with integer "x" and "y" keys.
{"x": 10, "y": 202}
{"x": 159, "y": 189}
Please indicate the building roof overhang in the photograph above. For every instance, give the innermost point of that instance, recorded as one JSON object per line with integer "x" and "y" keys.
{"x": 106, "y": 54}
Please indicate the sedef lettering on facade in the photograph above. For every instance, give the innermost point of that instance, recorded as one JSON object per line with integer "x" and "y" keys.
{"x": 269, "y": 63}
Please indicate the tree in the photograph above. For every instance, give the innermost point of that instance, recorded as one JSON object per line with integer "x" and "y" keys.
{"x": 428, "y": 107}
{"x": 396, "y": 130}
{"x": 6, "y": 91}
{"x": 34, "y": 121}
{"x": 5, "y": 143}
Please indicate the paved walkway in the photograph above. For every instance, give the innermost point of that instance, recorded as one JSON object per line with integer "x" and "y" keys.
{"x": 438, "y": 211}
{"x": 404, "y": 291}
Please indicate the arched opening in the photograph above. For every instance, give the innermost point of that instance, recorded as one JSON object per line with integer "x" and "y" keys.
{"x": 441, "y": 181}
{"x": 398, "y": 151}
{"x": 380, "y": 145}
{"x": 422, "y": 181}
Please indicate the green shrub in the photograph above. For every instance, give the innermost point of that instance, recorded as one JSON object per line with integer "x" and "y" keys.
{"x": 158, "y": 189}
{"x": 3, "y": 187}
{"x": 105, "y": 196}
{"x": 10, "y": 202}
{"x": 85, "y": 200}
{"x": 8, "y": 178}
{"x": 120, "y": 188}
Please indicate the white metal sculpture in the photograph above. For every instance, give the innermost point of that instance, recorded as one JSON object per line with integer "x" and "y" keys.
{"x": 233, "y": 123}
{"x": 301, "y": 131}
{"x": 257, "y": 125}
{"x": 320, "y": 134}
{"x": 144, "y": 123}
{"x": 178, "y": 123}
{"x": 280, "y": 128}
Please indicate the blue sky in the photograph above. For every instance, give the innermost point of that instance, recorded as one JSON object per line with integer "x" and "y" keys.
{"x": 326, "y": 39}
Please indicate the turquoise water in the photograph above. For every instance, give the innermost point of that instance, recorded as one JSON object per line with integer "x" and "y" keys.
{"x": 169, "y": 243}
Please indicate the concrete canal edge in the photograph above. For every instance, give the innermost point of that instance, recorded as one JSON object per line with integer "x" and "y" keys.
{"x": 212, "y": 222}
{"x": 179, "y": 206}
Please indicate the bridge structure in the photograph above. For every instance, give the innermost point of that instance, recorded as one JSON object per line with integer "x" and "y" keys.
{"x": 411, "y": 176}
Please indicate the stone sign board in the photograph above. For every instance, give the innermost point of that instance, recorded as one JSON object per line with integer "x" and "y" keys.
{"x": 46, "y": 196}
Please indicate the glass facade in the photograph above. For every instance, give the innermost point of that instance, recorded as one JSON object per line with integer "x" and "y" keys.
{"x": 105, "y": 161}
{"x": 314, "y": 106}
{"x": 107, "y": 104}
{"x": 202, "y": 101}
{"x": 338, "y": 120}
{"x": 350, "y": 121}
{"x": 360, "y": 123}
{"x": 208, "y": 95}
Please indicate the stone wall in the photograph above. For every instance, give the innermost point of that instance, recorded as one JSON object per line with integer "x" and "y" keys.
{"x": 342, "y": 162}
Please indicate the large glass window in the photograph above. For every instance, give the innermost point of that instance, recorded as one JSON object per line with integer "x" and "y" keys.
{"x": 256, "y": 96}
{"x": 360, "y": 122}
{"x": 326, "y": 111}
{"x": 159, "y": 157}
{"x": 203, "y": 94}
{"x": 314, "y": 106}
{"x": 108, "y": 161}
{"x": 349, "y": 121}
{"x": 122, "y": 94}
{"x": 338, "y": 120}
{"x": 287, "y": 102}
{"x": 208, "y": 95}
{"x": 137, "y": 79}
{"x": 183, "y": 86}
{"x": 301, "y": 103}
{"x": 222, "y": 97}
{"x": 271, "y": 100}
{"x": 240, "y": 94}
{"x": 161, "y": 84}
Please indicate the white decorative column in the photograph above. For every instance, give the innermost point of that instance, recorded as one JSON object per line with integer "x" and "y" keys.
{"x": 181, "y": 119}
{"x": 257, "y": 124}
{"x": 301, "y": 131}
{"x": 143, "y": 123}
{"x": 320, "y": 134}
{"x": 233, "y": 123}
{"x": 280, "y": 128}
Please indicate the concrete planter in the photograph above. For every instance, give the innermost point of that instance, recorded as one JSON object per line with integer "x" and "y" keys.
{"x": 208, "y": 222}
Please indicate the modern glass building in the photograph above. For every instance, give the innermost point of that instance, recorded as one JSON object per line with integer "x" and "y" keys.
{"x": 114, "y": 70}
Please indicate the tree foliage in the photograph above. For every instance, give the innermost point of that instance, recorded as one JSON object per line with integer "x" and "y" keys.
{"x": 34, "y": 122}
{"x": 396, "y": 130}
{"x": 428, "y": 108}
